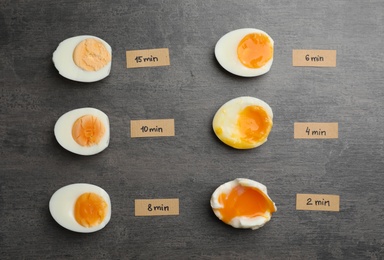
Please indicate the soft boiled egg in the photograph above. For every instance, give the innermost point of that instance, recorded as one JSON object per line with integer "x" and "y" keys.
{"x": 243, "y": 203}
{"x": 243, "y": 122}
{"x": 245, "y": 52}
{"x": 83, "y": 131}
{"x": 81, "y": 207}
{"x": 83, "y": 58}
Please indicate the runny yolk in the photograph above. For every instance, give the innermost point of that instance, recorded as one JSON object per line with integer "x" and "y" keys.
{"x": 91, "y": 55}
{"x": 90, "y": 209}
{"x": 244, "y": 201}
{"x": 254, "y": 124}
{"x": 255, "y": 50}
{"x": 88, "y": 130}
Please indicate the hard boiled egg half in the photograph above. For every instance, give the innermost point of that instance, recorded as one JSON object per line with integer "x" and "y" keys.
{"x": 243, "y": 122}
{"x": 245, "y": 52}
{"x": 83, "y": 58}
{"x": 81, "y": 207}
{"x": 83, "y": 131}
{"x": 243, "y": 203}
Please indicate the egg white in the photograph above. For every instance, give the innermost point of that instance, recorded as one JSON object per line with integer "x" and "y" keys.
{"x": 62, "y": 204}
{"x": 226, "y": 118}
{"x": 241, "y": 222}
{"x": 64, "y": 63}
{"x": 226, "y": 53}
{"x": 63, "y": 131}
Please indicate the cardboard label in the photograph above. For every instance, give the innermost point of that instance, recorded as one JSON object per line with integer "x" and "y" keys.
{"x": 156, "y": 207}
{"x": 314, "y": 58}
{"x": 316, "y": 130}
{"x": 152, "y": 128}
{"x": 148, "y": 58}
{"x": 321, "y": 202}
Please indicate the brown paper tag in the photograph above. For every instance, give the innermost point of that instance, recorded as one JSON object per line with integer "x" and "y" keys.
{"x": 148, "y": 58}
{"x": 156, "y": 207}
{"x": 316, "y": 130}
{"x": 314, "y": 58}
{"x": 321, "y": 202}
{"x": 152, "y": 128}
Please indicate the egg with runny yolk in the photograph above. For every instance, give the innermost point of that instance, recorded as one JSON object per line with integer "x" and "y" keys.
{"x": 243, "y": 203}
{"x": 243, "y": 122}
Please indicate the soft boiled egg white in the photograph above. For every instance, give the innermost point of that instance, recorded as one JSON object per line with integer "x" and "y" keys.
{"x": 83, "y": 131}
{"x": 81, "y": 207}
{"x": 243, "y": 122}
{"x": 83, "y": 58}
{"x": 245, "y": 52}
{"x": 243, "y": 203}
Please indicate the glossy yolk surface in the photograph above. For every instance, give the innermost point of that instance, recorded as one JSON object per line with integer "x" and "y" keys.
{"x": 244, "y": 201}
{"x": 255, "y": 50}
{"x": 91, "y": 55}
{"x": 88, "y": 130}
{"x": 254, "y": 124}
{"x": 90, "y": 209}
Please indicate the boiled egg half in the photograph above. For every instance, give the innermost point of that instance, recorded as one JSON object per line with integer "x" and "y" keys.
{"x": 245, "y": 52}
{"x": 83, "y": 131}
{"x": 83, "y": 58}
{"x": 243, "y": 203}
{"x": 81, "y": 207}
{"x": 243, "y": 122}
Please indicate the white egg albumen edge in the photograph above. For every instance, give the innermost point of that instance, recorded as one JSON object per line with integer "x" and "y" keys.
{"x": 62, "y": 204}
{"x": 241, "y": 222}
{"x": 226, "y": 53}
{"x": 64, "y": 63}
{"x": 227, "y": 115}
{"x": 63, "y": 131}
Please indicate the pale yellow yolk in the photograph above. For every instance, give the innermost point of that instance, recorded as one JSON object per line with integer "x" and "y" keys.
{"x": 255, "y": 50}
{"x": 244, "y": 202}
{"x": 90, "y": 209}
{"x": 88, "y": 130}
{"x": 254, "y": 124}
{"x": 91, "y": 55}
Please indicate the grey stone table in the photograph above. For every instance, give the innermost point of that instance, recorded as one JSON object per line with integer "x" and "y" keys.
{"x": 190, "y": 165}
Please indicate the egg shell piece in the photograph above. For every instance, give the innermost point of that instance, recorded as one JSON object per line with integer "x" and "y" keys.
{"x": 226, "y": 53}
{"x": 64, "y": 63}
{"x": 226, "y": 119}
{"x": 63, "y": 131}
{"x": 62, "y": 203}
{"x": 241, "y": 222}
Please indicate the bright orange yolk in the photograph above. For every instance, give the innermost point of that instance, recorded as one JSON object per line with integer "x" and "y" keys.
{"x": 91, "y": 55}
{"x": 255, "y": 50}
{"x": 88, "y": 130}
{"x": 244, "y": 202}
{"x": 254, "y": 124}
{"x": 90, "y": 209}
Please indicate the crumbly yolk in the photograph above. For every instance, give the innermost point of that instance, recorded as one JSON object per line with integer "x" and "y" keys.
{"x": 244, "y": 201}
{"x": 90, "y": 209}
{"x": 88, "y": 130}
{"x": 254, "y": 124}
{"x": 91, "y": 55}
{"x": 255, "y": 50}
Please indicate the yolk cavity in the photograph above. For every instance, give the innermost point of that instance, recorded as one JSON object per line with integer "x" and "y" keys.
{"x": 254, "y": 124}
{"x": 90, "y": 209}
{"x": 255, "y": 50}
{"x": 91, "y": 55}
{"x": 244, "y": 201}
{"x": 88, "y": 130}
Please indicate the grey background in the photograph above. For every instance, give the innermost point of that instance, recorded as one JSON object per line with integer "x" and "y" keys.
{"x": 192, "y": 164}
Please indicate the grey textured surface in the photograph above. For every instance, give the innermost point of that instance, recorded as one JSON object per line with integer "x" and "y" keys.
{"x": 192, "y": 164}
